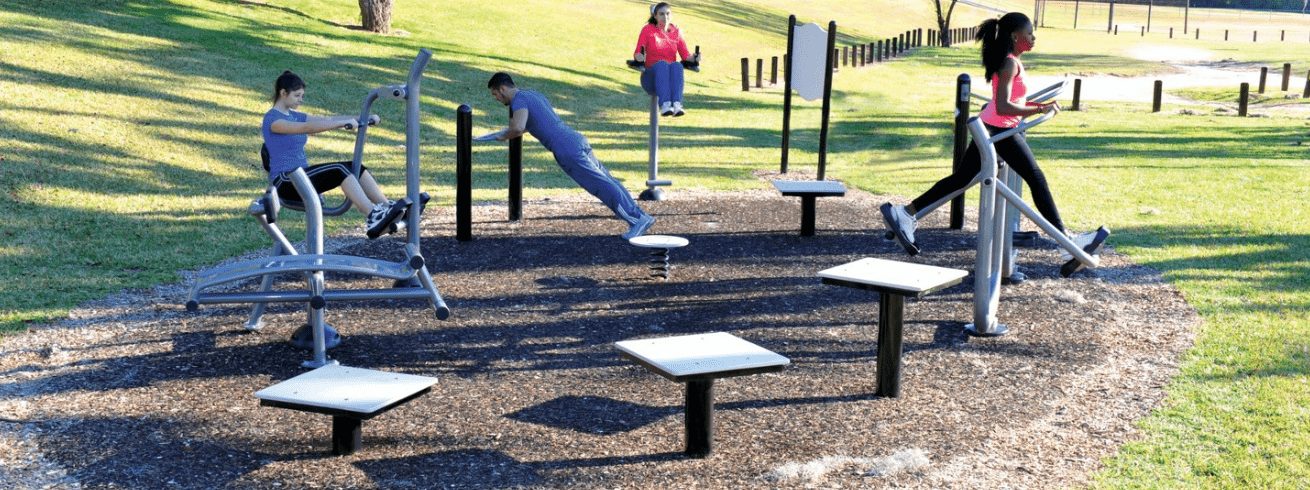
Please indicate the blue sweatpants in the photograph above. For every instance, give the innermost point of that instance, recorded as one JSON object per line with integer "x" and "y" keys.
{"x": 663, "y": 80}
{"x": 583, "y": 167}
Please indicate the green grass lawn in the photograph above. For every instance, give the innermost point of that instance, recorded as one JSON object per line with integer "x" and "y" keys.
{"x": 131, "y": 132}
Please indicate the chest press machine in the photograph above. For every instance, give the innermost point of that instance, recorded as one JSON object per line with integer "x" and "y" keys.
{"x": 411, "y": 276}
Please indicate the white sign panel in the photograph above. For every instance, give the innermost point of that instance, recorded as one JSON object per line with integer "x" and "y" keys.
{"x": 809, "y": 60}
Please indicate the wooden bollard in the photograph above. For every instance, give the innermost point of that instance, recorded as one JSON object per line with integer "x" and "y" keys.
{"x": 773, "y": 74}
{"x": 1198, "y": 34}
{"x": 878, "y": 52}
{"x": 1283, "y": 37}
{"x": 1242, "y": 98}
{"x": 1264, "y": 72}
{"x": 1255, "y": 35}
{"x": 1077, "y": 93}
{"x": 845, "y": 56}
{"x": 745, "y": 74}
{"x": 759, "y": 72}
{"x": 896, "y": 47}
{"x": 1116, "y": 29}
{"x": 1159, "y": 92}
{"x": 1143, "y": 31}
{"x": 1306, "y": 93}
{"x": 835, "y": 58}
{"x": 1225, "y": 34}
{"x": 1171, "y": 33}
{"x": 1287, "y": 75}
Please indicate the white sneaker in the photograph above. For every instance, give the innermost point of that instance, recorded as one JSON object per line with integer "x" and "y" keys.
{"x": 1084, "y": 240}
{"x": 666, "y": 109}
{"x": 677, "y": 109}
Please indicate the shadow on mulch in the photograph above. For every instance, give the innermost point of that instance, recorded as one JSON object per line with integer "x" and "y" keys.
{"x": 531, "y": 392}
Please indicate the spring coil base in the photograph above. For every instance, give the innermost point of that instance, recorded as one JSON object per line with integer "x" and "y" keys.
{"x": 659, "y": 263}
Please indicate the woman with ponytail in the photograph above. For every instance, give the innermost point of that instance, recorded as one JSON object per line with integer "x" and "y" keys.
{"x": 658, "y": 47}
{"x": 1004, "y": 41}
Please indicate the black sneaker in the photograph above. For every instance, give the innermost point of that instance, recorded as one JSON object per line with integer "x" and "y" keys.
{"x": 384, "y": 215}
{"x": 901, "y": 224}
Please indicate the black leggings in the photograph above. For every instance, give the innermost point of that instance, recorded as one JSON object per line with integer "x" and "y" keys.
{"x": 1015, "y": 152}
{"x": 324, "y": 176}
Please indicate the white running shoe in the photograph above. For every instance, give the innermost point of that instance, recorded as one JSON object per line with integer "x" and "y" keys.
{"x": 1086, "y": 241}
{"x": 677, "y": 109}
{"x": 666, "y": 109}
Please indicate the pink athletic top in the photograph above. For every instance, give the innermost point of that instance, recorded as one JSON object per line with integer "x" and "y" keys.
{"x": 661, "y": 45}
{"x": 1017, "y": 92}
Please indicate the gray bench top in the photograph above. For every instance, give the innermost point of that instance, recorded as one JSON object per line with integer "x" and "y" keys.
{"x": 892, "y": 276}
{"x": 702, "y": 356}
{"x": 336, "y": 388}
{"x": 810, "y": 187}
{"x": 658, "y": 241}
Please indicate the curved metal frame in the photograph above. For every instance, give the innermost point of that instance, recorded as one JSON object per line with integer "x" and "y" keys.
{"x": 314, "y": 263}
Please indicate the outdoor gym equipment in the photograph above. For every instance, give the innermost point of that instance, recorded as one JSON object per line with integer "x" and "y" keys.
{"x": 660, "y": 246}
{"x": 653, "y": 181}
{"x": 1010, "y": 274}
{"x": 996, "y": 255}
{"x": 809, "y": 71}
{"x": 411, "y": 276}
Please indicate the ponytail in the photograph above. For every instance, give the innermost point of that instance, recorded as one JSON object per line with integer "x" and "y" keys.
{"x": 287, "y": 81}
{"x": 653, "y": 9}
{"x": 996, "y": 36}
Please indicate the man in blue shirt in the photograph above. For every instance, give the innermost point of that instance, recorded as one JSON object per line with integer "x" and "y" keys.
{"x": 531, "y": 113}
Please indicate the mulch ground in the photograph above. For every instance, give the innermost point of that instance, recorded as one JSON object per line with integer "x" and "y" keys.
{"x": 135, "y": 392}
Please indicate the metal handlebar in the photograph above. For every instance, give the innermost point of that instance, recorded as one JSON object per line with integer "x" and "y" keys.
{"x": 686, "y": 64}
{"x": 1024, "y": 126}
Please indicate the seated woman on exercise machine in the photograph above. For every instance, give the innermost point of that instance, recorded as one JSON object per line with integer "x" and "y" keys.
{"x": 286, "y": 131}
{"x": 658, "y": 47}
{"x": 1003, "y": 42}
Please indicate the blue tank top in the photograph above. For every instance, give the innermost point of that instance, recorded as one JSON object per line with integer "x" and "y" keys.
{"x": 286, "y": 152}
{"x": 545, "y": 125}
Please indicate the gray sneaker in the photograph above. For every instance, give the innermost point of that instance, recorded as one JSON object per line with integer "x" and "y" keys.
{"x": 1091, "y": 243}
{"x": 902, "y": 224}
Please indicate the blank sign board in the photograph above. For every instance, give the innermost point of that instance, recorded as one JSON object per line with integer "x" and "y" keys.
{"x": 809, "y": 60}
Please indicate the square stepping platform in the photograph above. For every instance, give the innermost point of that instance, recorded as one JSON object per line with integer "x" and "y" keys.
{"x": 893, "y": 280}
{"x": 698, "y": 360}
{"x": 350, "y": 395}
{"x": 809, "y": 191}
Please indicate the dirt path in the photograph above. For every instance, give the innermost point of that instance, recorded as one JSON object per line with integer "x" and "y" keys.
{"x": 1182, "y": 67}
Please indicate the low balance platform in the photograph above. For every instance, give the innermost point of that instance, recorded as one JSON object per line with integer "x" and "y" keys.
{"x": 698, "y": 360}
{"x": 660, "y": 246}
{"x": 893, "y": 281}
{"x": 808, "y": 191}
{"x": 349, "y": 395}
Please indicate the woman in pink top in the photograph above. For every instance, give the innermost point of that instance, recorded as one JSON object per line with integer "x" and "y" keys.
{"x": 1003, "y": 42}
{"x": 663, "y": 45}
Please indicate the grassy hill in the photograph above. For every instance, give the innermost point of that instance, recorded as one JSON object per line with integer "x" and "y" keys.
{"x": 130, "y": 132}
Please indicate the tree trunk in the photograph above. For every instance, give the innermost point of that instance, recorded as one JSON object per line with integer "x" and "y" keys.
{"x": 375, "y": 15}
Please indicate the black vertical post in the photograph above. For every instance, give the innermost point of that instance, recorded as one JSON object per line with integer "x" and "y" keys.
{"x": 1225, "y": 34}
{"x": 1283, "y": 36}
{"x": 896, "y": 47}
{"x": 700, "y": 417}
{"x": 961, "y": 143}
{"x": 845, "y": 56}
{"x": 464, "y": 173}
{"x": 1198, "y": 33}
{"x": 808, "y": 214}
{"x": 891, "y": 309}
{"x": 827, "y": 104}
{"x": 745, "y": 74}
{"x": 1150, "y": 5}
{"x": 515, "y": 177}
{"x": 786, "y": 88}
{"x": 862, "y": 54}
{"x": 1077, "y": 93}
{"x": 1171, "y": 33}
{"x": 1287, "y": 75}
{"x": 877, "y": 52}
{"x": 1116, "y": 29}
{"x": 759, "y": 73}
{"x": 1075, "y": 14}
{"x": 1110, "y": 22}
{"x": 1242, "y": 99}
{"x": 1306, "y": 94}
{"x": 1143, "y": 31}
{"x": 1264, "y": 73}
{"x": 1255, "y": 36}
{"x": 1159, "y": 92}
{"x": 1187, "y": 13}
{"x": 346, "y": 435}
{"x": 773, "y": 74}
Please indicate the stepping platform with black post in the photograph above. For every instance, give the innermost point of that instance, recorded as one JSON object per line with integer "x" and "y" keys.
{"x": 698, "y": 360}
{"x": 809, "y": 191}
{"x": 349, "y": 395}
{"x": 660, "y": 246}
{"x": 893, "y": 281}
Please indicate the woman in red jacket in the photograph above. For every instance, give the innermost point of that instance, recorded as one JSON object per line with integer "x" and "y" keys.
{"x": 663, "y": 46}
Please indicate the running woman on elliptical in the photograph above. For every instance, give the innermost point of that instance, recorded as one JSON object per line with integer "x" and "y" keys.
{"x": 286, "y": 131}
{"x": 1004, "y": 41}
{"x": 531, "y": 112}
{"x": 663, "y": 44}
